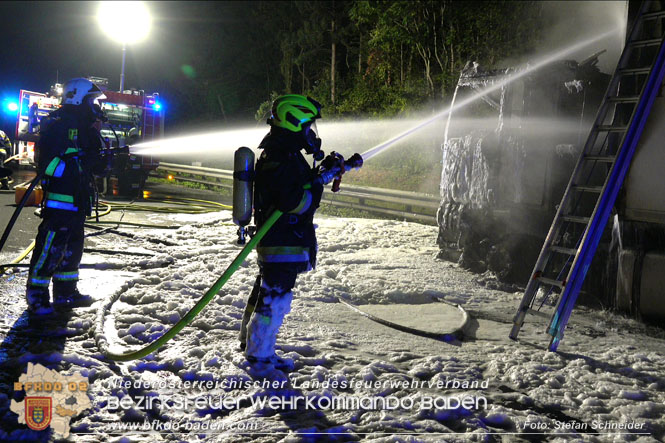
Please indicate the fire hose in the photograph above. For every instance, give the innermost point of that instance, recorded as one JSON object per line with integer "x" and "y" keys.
{"x": 31, "y": 187}
{"x": 18, "y": 209}
{"x": 333, "y": 171}
{"x": 196, "y": 207}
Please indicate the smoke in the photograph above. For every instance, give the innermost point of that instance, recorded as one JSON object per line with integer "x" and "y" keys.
{"x": 568, "y": 22}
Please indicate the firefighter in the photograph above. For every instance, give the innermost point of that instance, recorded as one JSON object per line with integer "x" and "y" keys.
{"x": 5, "y": 150}
{"x": 67, "y": 154}
{"x": 284, "y": 181}
{"x": 33, "y": 118}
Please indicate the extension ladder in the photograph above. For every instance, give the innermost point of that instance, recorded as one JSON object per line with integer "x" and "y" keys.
{"x": 599, "y": 174}
{"x": 148, "y": 124}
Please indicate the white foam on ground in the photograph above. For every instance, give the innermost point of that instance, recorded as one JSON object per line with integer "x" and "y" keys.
{"x": 608, "y": 368}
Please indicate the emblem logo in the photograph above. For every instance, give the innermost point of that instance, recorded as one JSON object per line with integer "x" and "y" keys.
{"x": 38, "y": 412}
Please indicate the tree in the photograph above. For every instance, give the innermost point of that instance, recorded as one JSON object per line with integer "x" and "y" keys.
{"x": 355, "y": 57}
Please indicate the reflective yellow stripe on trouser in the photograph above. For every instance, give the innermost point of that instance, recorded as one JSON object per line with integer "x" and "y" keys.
{"x": 66, "y": 276}
{"x": 283, "y": 254}
{"x": 35, "y": 278}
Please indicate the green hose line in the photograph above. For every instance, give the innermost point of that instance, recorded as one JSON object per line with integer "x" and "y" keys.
{"x": 195, "y": 206}
{"x": 18, "y": 259}
{"x": 138, "y": 225}
{"x": 107, "y": 211}
{"x": 216, "y": 287}
{"x": 19, "y": 208}
{"x": 206, "y": 202}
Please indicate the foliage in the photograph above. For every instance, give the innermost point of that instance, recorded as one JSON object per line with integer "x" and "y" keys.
{"x": 265, "y": 108}
{"x": 390, "y": 57}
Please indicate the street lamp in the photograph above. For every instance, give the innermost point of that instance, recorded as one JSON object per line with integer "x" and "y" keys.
{"x": 126, "y": 23}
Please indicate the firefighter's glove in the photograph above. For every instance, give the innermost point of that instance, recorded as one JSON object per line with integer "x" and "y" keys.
{"x": 331, "y": 167}
{"x": 333, "y": 161}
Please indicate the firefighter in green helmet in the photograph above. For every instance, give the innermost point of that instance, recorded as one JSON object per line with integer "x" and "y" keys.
{"x": 284, "y": 180}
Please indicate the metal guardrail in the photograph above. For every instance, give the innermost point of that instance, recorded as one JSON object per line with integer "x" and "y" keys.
{"x": 400, "y": 205}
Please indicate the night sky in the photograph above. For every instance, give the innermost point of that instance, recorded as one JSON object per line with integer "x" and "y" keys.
{"x": 47, "y": 41}
{"x": 43, "y": 41}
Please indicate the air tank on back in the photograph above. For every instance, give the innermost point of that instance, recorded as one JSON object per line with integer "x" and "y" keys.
{"x": 243, "y": 187}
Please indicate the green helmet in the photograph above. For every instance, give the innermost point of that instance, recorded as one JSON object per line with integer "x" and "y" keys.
{"x": 292, "y": 111}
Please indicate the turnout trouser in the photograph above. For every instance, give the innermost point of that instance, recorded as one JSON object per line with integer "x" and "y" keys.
{"x": 267, "y": 306}
{"x": 57, "y": 254}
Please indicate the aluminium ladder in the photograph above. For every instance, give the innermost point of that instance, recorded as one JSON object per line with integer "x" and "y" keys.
{"x": 599, "y": 173}
{"x": 148, "y": 124}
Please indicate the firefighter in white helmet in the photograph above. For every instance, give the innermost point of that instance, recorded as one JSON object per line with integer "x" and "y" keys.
{"x": 67, "y": 154}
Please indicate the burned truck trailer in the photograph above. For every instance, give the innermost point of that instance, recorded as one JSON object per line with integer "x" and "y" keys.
{"x": 507, "y": 158}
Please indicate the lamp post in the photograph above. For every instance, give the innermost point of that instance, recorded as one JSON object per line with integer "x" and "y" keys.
{"x": 122, "y": 70}
{"x": 125, "y": 22}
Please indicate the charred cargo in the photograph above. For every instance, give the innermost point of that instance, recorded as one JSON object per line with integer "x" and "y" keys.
{"x": 507, "y": 160}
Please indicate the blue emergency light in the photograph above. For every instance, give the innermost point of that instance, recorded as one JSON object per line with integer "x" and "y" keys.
{"x": 11, "y": 107}
{"x": 155, "y": 104}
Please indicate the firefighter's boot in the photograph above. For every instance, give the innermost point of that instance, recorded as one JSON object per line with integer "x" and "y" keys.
{"x": 264, "y": 325}
{"x": 38, "y": 301}
{"x": 282, "y": 363}
{"x": 242, "y": 336}
{"x": 66, "y": 296}
{"x": 252, "y": 301}
{"x": 63, "y": 302}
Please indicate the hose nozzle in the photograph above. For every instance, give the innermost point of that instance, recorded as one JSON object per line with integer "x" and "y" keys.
{"x": 334, "y": 166}
{"x": 115, "y": 151}
{"x": 354, "y": 162}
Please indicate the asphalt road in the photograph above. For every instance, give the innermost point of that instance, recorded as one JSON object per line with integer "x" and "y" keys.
{"x": 26, "y": 225}
{"x": 25, "y": 229}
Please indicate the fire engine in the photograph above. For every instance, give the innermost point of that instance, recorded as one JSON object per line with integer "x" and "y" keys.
{"x": 133, "y": 117}
{"x": 32, "y": 107}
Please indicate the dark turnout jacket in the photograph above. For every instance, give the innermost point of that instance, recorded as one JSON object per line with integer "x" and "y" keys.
{"x": 67, "y": 153}
{"x": 283, "y": 181}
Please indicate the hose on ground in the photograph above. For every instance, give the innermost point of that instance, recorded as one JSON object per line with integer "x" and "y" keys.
{"x": 103, "y": 344}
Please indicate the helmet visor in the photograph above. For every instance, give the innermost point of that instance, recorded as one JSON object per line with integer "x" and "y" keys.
{"x": 98, "y": 99}
{"x": 312, "y": 128}
{"x": 313, "y": 142}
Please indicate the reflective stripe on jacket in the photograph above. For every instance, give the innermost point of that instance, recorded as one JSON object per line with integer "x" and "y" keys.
{"x": 63, "y": 152}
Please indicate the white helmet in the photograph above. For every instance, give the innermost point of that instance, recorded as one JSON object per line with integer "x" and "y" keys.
{"x": 77, "y": 90}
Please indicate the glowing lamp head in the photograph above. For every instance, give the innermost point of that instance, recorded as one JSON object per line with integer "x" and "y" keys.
{"x": 12, "y": 107}
{"x": 157, "y": 106}
{"x": 125, "y": 22}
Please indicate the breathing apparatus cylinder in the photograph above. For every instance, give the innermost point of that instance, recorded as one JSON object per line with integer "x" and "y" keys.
{"x": 243, "y": 190}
